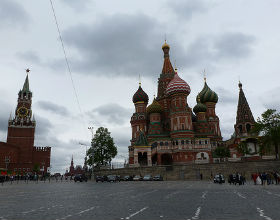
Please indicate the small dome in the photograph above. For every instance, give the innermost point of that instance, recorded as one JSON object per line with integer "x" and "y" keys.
{"x": 199, "y": 108}
{"x": 155, "y": 107}
{"x": 140, "y": 96}
{"x": 177, "y": 85}
{"x": 165, "y": 45}
{"x": 207, "y": 95}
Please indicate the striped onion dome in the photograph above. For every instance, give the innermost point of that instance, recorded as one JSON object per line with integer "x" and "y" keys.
{"x": 177, "y": 85}
{"x": 140, "y": 95}
{"x": 207, "y": 95}
{"x": 155, "y": 107}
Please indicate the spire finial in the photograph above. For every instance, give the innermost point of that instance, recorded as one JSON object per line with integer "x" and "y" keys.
{"x": 204, "y": 75}
{"x": 139, "y": 80}
{"x": 27, "y": 71}
{"x": 154, "y": 96}
{"x": 198, "y": 98}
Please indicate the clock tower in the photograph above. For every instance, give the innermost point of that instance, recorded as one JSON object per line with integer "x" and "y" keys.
{"x": 21, "y": 128}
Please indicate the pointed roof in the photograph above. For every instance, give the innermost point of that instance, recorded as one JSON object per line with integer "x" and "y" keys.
{"x": 167, "y": 66}
{"x": 244, "y": 113}
{"x": 26, "y": 85}
{"x": 140, "y": 95}
{"x": 142, "y": 140}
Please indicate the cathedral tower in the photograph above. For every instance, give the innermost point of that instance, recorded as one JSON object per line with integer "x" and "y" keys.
{"x": 244, "y": 117}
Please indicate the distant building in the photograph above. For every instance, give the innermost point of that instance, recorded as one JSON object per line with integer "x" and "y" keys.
{"x": 18, "y": 154}
{"x": 75, "y": 170}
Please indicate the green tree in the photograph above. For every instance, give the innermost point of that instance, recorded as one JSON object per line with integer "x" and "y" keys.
{"x": 102, "y": 147}
{"x": 36, "y": 168}
{"x": 221, "y": 152}
{"x": 243, "y": 148}
{"x": 268, "y": 127}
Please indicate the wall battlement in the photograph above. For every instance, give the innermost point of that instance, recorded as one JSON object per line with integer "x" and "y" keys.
{"x": 41, "y": 149}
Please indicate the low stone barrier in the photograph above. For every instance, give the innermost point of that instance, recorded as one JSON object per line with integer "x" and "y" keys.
{"x": 193, "y": 171}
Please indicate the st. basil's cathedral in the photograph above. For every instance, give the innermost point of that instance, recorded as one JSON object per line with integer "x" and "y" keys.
{"x": 169, "y": 132}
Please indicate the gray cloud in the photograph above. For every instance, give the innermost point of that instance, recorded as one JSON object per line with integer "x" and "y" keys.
{"x": 13, "y": 14}
{"x": 30, "y": 56}
{"x": 110, "y": 113}
{"x": 43, "y": 127}
{"x": 272, "y": 99}
{"x": 186, "y": 9}
{"x": 77, "y": 5}
{"x": 4, "y": 115}
{"x": 132, "y": 45}
{"x": 53, "y": 108}
{"x": 233, "y": 45}
{"x": 226, "y": 96}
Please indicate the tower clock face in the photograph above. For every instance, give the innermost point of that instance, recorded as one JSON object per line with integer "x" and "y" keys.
{"x": 22, "y": 111}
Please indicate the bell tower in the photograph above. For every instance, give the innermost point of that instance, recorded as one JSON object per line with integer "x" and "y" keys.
{"x": 21, "y": 128}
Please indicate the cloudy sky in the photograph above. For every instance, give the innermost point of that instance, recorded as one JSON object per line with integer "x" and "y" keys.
{"x": 109, "y": 43}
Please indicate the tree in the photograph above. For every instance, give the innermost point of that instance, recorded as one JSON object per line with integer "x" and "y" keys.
{"x": 102, "y": 147}
{"x": 36, "y": 168}
{"x": 221, "y": 152}
{"x": 243, "y": 148}
{"x": 268, "y": 127}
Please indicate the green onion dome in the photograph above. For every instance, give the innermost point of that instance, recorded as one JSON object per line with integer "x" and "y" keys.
{"x": 140, "y": 96}
{"x": 207, "y": 95}
{"x": 199, "y": 107}
{"x": 155, "y": 107}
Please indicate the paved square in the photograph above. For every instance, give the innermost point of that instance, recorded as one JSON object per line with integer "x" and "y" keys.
{"x": 138, "y": 200}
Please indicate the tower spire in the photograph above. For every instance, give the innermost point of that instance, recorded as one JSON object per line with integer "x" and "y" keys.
{"x": 26, "y": 82}
{"x": 244, "y": 117}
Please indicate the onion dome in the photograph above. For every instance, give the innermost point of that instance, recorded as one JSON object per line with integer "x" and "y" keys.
{"x": 140, "y": 95}
{"x": 199, "y": 107}
{"x": 165, "y": 45}
{"x": 207, "y": 95}
{"x": 155, "y": 107}
{"x": 177, "y": 85}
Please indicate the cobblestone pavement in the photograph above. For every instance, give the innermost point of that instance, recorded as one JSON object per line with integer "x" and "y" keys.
{"x": 138, "y": 200}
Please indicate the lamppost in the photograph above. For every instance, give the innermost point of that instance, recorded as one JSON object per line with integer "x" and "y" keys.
{"x": 92, "y": 154}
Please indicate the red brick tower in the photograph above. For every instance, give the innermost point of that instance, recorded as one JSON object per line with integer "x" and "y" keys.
{"x": 244, "y": 117}
{"x": 71, "y": 168}
{"x": 210, "y": 99}
{"x": 139, "y": 118}
{"x": 180, "y": 113}
{"x": 154, "y": 110}
{"x": 21, "y": 128}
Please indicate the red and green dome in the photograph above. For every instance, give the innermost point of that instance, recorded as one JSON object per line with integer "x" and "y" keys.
{"x": 199, "y": 107}
{"x": 177, "y": 85}
{"x": 140, "y": 96}
{"x": 207, "y": 95}
{"x": 155, "y": 107}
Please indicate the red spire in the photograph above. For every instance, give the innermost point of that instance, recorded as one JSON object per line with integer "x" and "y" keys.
{"x": 167, "y": 66}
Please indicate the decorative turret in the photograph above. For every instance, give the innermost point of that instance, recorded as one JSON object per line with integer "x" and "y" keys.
{"x": 244, "y": 117}
{"x": 139, "y": 118}
{"x": 155, "y": 107}
{"x": 167, "y": 72}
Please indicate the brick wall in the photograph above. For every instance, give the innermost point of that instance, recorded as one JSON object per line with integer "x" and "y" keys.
{"x": 192, "y": 171}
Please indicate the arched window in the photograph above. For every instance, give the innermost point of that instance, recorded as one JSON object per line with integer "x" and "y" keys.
{"x": 177, "y": 143}
{"x": 248, "y": 127}
{"x": 161, "y": 143}
{"x": 182, "y": 142}
{"x": 240, "y": 128}
{"x": 166, "y": 143}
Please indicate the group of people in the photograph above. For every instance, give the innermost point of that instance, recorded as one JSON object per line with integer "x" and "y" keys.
{"x": 236, "y": 178}
{"x": 266, "y": 178}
